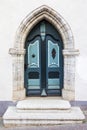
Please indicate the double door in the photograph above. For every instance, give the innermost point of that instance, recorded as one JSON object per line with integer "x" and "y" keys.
{"x": 43, "y": 66}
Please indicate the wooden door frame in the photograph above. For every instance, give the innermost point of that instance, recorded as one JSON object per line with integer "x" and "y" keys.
{"x": 69, "y": 52}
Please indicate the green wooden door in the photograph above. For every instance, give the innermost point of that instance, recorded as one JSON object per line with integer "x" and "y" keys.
{"x": 43, "y": 61}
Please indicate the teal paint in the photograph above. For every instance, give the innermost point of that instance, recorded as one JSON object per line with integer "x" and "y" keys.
{"x": 33, "y": 54}
{"x": 53, "y": 62}
{"x": 43, "y": 61}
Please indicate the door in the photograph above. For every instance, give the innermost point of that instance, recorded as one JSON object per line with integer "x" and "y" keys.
{"x": 43, "y": 61}
{"x": 32, "y": 67}
{"x": 53, "y": 66}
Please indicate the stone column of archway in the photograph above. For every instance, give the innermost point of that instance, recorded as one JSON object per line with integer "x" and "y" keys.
{"x": 18, "y": 73}
{"x": 69, "y": 52}
{"x": 68, "y": 91}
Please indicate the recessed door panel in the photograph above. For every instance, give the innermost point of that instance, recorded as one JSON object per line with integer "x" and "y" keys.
{"x": 53, "y": 54}
{"x": 33, "y": 54}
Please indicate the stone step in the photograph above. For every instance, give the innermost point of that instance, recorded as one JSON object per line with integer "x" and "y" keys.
{"x": 43, "y": 104}
{"x": 43, "y": 117}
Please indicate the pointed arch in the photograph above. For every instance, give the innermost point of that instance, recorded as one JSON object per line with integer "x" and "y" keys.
{"x": 69, "y": 52}
{"x": 44, "y": 12}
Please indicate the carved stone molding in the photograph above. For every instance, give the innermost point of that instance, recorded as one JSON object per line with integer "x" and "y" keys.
{"x": 70, "y": 52}
{"x": 15, "y": 51}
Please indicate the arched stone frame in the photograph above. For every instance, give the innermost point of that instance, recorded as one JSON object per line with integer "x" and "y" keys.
{"x": 69, "y": 52}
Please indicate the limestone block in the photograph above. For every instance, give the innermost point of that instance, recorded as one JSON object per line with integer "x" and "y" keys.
{"x": 19, "y": 95}
{"x": 41, "y": 104}
{"x": 68, "y": 94}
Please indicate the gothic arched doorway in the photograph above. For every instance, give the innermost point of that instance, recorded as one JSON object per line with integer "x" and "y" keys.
{"x": 69, "y": 52}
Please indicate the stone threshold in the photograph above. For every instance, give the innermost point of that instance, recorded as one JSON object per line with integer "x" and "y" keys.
{"x": 43, "y": 104}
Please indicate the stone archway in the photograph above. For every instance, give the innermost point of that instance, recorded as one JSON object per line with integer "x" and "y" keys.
{"x": 69, "y": 52}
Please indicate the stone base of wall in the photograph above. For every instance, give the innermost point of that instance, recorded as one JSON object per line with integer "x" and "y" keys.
{"x": 68, "y": 94}
{"x": 19, "y": 94}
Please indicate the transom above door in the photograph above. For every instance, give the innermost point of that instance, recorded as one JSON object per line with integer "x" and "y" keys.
{"x": 43, "y": 61}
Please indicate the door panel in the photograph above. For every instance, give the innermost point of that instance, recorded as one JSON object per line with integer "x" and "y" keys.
{"x": 53, "y": 54}
{"x": 53, "y": 66}
{"x": 33, "y": 54}
{"x": 33, "y": 73}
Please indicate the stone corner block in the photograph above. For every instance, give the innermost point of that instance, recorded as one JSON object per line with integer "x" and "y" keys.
{"x": 68, "y": 94}
{"x": 19, "y": 94}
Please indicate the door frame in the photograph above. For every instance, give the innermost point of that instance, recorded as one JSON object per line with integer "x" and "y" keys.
{"x": 69, "y": 52}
